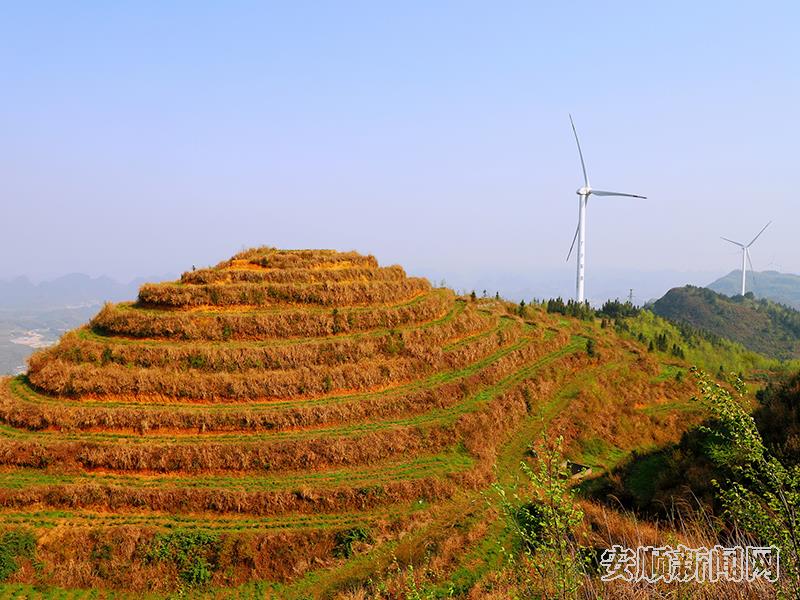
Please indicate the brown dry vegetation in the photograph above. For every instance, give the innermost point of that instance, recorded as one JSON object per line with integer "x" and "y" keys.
{"x": 93, "y": 416}
{"x": 250, "y": 275}
{"x": 82, "y": 346}
{"x": 346, "y": 293}
{"x": 294, "y": 365}
{"x": 128, "y": 321}
{"x": 400, "y": 362}
{"x": 272, "y": 258}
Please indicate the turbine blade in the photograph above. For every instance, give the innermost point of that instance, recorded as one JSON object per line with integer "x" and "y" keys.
{"x": 759, "y": 234}
{"x": 752, "y": 270}
{"x": 580, "y": 153}
{"x": 732, "y": 242}
{"x": 577, "y": 229}
{"x": 602, "y": 193}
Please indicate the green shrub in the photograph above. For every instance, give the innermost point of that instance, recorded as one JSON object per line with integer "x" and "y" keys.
{"x": 194, "y": 553}
{"x": 760, "y": 494}
{"x": 197, "y": 361}
{"x": 13, "y": 546}
{"x": 346, "y": 538}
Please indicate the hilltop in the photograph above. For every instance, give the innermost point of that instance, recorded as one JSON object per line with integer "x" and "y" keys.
{"x": 783, "y": 288}
{"x": 763, "y": 326}
{"x": 311, "y": 420}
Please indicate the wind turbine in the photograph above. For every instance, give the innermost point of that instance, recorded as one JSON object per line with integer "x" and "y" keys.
{"x": 746, "y": 256}
{"x": 580, "y": 233}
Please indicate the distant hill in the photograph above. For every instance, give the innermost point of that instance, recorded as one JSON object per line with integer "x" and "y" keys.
{"x": 761, "y": 325}
{"x": 33, "y": 315}
{"x": 772, "y": 285}
{"x": 75, "y": 289}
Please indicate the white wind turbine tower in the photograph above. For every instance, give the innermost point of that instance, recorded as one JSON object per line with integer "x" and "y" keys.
{"x": 746, "y": 256}
{"x": 580, "y": 232}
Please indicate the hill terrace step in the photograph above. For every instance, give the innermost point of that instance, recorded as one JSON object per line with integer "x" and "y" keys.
{"x": 348, "y": 293}
{"x": 59, "y": 376}
{"x": 298, "y": 276}
{"x": 268, "y": 322}
{"x": 279, "y": 403}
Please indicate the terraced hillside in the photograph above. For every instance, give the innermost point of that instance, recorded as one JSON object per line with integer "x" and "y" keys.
{"x": 303, "y": 418}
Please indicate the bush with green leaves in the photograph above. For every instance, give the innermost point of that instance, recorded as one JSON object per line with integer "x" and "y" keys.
{"x": 15, "y": 545}
{"x": 347, "y": 537}
{"x": 194, "y": 553}
{"x": 542, "y": 515}
{"x": 760, "y": 495}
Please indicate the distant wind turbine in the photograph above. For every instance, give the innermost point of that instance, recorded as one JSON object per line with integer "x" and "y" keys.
{"x": 746, "y": 256}
{"x": 580, "y": 233}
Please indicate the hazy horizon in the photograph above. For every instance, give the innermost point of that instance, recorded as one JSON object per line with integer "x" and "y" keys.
{"x": 538, "y": 283}
{"x": 146, "y": 138}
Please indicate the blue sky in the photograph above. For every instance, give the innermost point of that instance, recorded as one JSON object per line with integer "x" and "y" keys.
{"x": 144, "y": 137}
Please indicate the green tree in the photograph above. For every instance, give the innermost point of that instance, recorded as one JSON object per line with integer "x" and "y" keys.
{"x": 542, "y": 515}
{"x": 760, "y": 494}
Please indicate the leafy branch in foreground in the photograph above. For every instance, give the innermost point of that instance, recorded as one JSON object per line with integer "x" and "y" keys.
{"x": 542, "y": 516}
{"x": 760, "y": 495}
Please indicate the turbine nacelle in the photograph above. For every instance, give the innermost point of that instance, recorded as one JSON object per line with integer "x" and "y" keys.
{"x": 583, "y": 191}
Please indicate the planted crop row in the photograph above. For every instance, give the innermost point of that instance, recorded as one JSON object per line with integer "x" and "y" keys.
{"x": 452, "y": 461}
{"x": 233, "y": 275}
{"x": 198, "y": 456}
{"x": 298, "y": 452}
{"x": 83, "y": 347}
{"x": 304, "y": 500}
{"x": 76, "y": 379}
{"x": 139, "y": 558}
{"x": 511, "y": 408}
{"x": 85, "y": 518}
{"x": 21, "y": 407}
{"x": 63, "y": 377}
{"x": 127, "y": 321}
{"x": 504, "y": 414}
{"x": 348, "y": 293}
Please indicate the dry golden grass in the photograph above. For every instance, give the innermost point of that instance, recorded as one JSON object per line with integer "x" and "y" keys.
{"x": 265, "y": 325}
{"x": 293, "y": 275}
{"x": 349, "y": 293}
{"x": 280, "y": 363}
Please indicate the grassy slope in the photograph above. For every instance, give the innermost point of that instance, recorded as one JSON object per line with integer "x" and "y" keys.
{"x": 622, "y": 399}
{"x": 469, "y": 511}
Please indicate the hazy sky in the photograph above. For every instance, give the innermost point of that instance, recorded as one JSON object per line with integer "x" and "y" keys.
{"x": 139, "y": 138}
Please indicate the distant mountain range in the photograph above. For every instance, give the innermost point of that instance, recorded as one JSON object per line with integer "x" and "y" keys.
{"x": 775, "y": 286}
{"x": 34, "y": 315}
{"x": 74, "y": 290}
{"x": 758, "y": 324}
